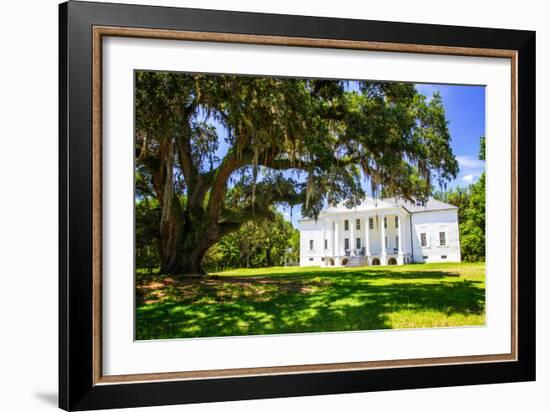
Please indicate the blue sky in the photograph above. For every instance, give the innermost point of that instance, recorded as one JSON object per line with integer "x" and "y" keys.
{"x": 465, "y": 112}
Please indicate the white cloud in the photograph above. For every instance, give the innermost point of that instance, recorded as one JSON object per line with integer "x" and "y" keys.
{"x": 469, "y": 162}
{"x": 468, "y": 178}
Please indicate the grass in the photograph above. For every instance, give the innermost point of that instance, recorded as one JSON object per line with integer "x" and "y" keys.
{"x": 305, "y": 299}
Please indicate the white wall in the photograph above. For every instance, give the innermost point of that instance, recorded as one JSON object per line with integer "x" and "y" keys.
{"x": 432, "y": 223}
{"x": 311, "y": 230}
{"x": 28, "y": 211}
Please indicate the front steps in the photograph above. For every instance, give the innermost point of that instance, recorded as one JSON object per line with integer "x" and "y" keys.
{"x": 356, "y": 261}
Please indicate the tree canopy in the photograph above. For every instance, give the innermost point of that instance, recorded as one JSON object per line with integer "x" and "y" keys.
{"x": 217, "y": 151}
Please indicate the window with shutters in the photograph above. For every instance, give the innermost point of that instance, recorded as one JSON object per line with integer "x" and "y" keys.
{"x": 423, "y": 240}
{"x": 442, "y": 239}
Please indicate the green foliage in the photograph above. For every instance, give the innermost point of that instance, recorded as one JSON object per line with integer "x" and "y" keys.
{"x": 258, "y": 243}
{"x": 473, "y": 228}
{"x": 481, "y": 154}
{"x": 307, "y": 299}
{"x": 147, "y": 233}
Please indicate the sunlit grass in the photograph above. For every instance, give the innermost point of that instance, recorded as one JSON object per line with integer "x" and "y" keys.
{"x": 308, "y": 299}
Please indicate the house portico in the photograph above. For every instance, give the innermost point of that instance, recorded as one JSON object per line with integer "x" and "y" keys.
{"x": 364, "y": 238}
{"x": 377, "y": 232}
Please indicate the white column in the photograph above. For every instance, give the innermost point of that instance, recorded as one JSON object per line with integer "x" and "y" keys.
{"x": 399, "y": 235}
{"x": 332, "y": 237}
{"x": 336, "y": 238}
{"x": 352, "y": 235}
{"x": 382, "y": 237}
{"x": 324, "y": 239}
{"x": 367, "y": 242}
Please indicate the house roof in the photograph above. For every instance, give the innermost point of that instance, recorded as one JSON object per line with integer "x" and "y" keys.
{"x": 370, "y": 203}
{"x": 431, "y": 204}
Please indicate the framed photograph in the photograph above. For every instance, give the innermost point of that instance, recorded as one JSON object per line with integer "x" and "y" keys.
{"x": 256, "y": 205}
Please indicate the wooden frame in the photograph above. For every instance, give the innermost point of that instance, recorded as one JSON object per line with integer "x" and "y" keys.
{"x": 82, "y": 27}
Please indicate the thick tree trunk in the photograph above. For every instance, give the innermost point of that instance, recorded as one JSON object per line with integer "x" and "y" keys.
{"x": 194, "y": 236}
{"x": 170, "y": 236}
{"x": 185, "y": 262}
{"x": 268, "y": 257}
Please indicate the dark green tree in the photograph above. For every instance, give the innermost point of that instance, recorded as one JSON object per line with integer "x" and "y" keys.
{"x": 147, "y": 233}
{"x": 472, "y": 230}
{"x": 289, "y": 141}
{"x": 258, "y": 243}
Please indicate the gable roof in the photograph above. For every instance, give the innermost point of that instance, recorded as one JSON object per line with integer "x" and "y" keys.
{"x": 431, "y": 204}
{"x": 370, "y": 203}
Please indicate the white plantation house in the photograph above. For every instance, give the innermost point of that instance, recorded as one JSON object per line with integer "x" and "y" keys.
{"x": 381, "y": 232}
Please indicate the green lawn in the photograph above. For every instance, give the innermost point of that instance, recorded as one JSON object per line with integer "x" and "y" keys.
{"x": 291, "y": 299}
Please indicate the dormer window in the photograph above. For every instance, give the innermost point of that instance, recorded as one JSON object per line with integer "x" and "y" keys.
{"x": 420, "y": 202}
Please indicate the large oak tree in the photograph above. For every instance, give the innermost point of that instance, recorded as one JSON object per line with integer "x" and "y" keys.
{"x": 217, "y": 151}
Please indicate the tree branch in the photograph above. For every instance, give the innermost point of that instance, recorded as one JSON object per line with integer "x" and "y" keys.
{"x": 246, "y": 214}
{"x": 234, "y": 160}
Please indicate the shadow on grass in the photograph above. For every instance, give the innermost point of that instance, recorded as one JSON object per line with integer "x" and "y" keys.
{"x": 342, "y": 274}
{"x": 305, "y": 302}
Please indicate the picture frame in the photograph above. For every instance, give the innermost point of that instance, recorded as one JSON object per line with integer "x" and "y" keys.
{"x": 82, "y": 28}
